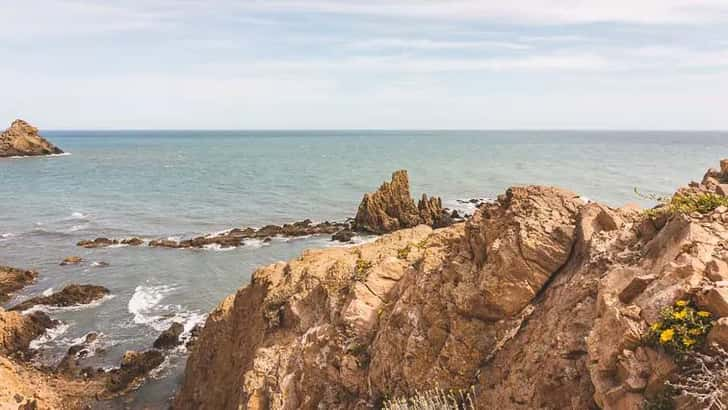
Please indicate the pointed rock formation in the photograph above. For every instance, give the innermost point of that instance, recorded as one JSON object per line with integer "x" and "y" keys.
{"x": 391, "y": 208}
{"x": 22, "y": 139}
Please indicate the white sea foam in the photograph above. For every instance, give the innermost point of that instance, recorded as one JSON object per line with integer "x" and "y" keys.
{"x": 218, "y": 248}
{"x": 50, "y": 335}
{"x": 255, "y": 243}
{"x": 40, "y": 156}
{"x": 79, "y": 215}
{"x": 47, "y": 292}
{"x": 144, "y": 302}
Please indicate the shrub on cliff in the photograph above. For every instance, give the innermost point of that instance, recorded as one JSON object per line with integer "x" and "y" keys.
{"x": 682, "y": 328}
{"x": 436, "y": 399}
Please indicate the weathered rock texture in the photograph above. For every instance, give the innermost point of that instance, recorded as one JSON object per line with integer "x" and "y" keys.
{"x": 539, "y": 301}
{"x": 69, "y": 296}
{"x": 391, "y": 208}
{"x": 12, "y": 280}
{"x": 22, "y": 139}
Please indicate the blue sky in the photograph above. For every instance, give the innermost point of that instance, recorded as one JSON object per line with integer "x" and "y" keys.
{"x": 619, "y": 64}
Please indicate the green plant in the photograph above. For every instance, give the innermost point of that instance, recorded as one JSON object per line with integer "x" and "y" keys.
{"x": 683, "y": 328}
{"x": 361, "y": 268}
{"x": 684, "y": 203}
{"x": 404, "y": 252}
{"x": 436, "y": 399}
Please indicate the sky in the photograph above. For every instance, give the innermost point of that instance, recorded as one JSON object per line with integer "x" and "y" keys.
{"x": 371, "y": 64}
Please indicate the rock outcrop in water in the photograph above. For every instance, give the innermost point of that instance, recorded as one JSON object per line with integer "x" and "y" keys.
{"x": 71, "y": 295}
{"x": 538, "y": 301}
{"x": 391, "y": 208}
{"x": 22, "y": 139}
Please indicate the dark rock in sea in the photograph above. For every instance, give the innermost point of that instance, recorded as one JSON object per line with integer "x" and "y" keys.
{"x": 101, "y": 264}
{"x": 71, "y": 295}
{"x": 97, "y": 243}
{"x": 170, "y": 337}
{"x": 455, "y": 215}
{"x": 71, "y": 260}
{"x": 194, "y": 335}
{"x": 69, "y": 365}
{"x": 132, "y": 241}
{"x": 22, "y": 139}
{"x": 134, "y": 366}
{"x": 343, "y": 236}
{"x": 12, "y": 280}
{"x": 164, "y": 243}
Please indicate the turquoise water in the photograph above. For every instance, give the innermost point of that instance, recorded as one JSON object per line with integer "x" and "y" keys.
{"x": 180, "y": 183}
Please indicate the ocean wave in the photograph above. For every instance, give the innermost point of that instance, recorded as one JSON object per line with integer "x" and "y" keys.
{"x": 73, "y": 308}
{"x": 218, "y": 248}
{"x": 47, "y": 292}
{"x": 144, "y": 303}
{"x": 64, "y": 154}
{"x": 255, "y": 243}
{"x": 79, "y": 215}
{"x": 50, "y": 335}
{"x": 6, "y": 236}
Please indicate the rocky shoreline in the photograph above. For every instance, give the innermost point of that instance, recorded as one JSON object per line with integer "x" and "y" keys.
{"x": 540, "y": 300}
{"x": 388, "y": 209}
{"x": 23, "y": 140}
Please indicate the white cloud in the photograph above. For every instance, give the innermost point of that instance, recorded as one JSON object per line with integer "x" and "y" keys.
{"x": 427, "y": 44}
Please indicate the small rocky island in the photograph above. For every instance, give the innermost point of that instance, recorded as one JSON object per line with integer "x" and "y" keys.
{"x": 23, "y": 140}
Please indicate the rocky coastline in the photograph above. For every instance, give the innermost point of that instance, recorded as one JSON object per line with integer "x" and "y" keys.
{"x": 540, "y": 300}
{"x": 22, "y": 140}
{"x": 537, "y": 300}
{"x": 389, "y": 208}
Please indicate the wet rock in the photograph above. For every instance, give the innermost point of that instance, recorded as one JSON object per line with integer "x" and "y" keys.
{"x": 170, "y": 337}
{"x": 97, "y": 243}
{"x": 71, "y": 260}
{"x": 101, "y": 264}
{"x": 343, "y": 236}
{"x": 22, "y": 139}
{"x": 134, "y": 367}
{"x": 133, "y": 241}
{"x": 194, "y": 335}
{"x": 71, "y": 295}
{"x": 69, "y": 365}
{"x": 164, "y": 243}
{"x": 12, "y": 280}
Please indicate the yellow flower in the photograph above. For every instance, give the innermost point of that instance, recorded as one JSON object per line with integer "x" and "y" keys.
{"x": 703, "y": 313}
{"x": 666, "y": 335}
{"x": 680, "y": 315}
{"x": 695, "y": 332}
{"x": 655, "y": 327}
{"x": 688, "y": 341}
{"x": 681, "y": 303}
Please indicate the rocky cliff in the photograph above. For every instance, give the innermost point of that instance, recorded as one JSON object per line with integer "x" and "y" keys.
{"x": 22, "y": 139}
{"x": 539, "y": 301}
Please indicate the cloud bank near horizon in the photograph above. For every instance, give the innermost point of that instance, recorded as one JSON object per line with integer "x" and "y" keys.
{"x": 652, "y": 64}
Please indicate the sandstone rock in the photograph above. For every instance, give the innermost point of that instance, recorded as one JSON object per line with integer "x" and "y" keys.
{"x": 17, "y": 331}
{"x": 97, "y": 243}
{"x": 69, "y": 296}
{"x": 71, "y": 260}
{"x": 715, "y": 300}
{"x": 170, "y": 337}
{"x": 22, "y": 139}
{"x": 719, "y": 333}
{"x": 391, "y": 208}
{"x": 133, "y": 241}
{"x": 722, "y": 189}
{"x": 12, "y": 280}
{"x": 636, "y": 286}
{"x": 717, "y": 270}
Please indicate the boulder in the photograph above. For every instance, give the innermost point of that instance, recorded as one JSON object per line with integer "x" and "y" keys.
{"x": 715, "y": 300}
{"x": 71, "y": 295}
{"x": 22, "y": 139}
{"x": 717, "y": 270}
{"x": 134, "y": 367}
{"x": 71, "y": 260}
{"x": 170, "y": 337}
{"x": 17, "y": 331}
{"x": 343, "y": 236}
{"x": 12, "y": 280}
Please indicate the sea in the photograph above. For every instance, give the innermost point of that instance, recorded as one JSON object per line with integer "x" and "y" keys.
{"x": 178, "y": 184}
